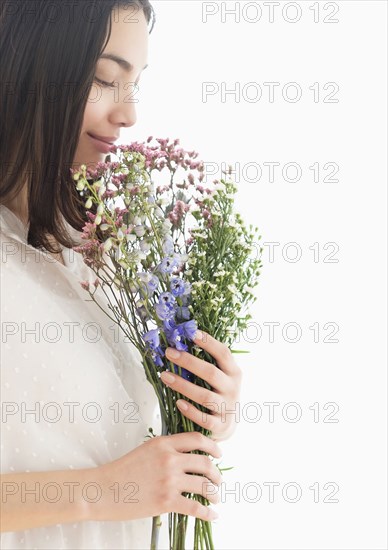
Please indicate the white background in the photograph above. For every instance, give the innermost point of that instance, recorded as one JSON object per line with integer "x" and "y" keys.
{"x": 185, "y": 52}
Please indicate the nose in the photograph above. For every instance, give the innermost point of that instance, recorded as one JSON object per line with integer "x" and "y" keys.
{"x": 123, "y": 112}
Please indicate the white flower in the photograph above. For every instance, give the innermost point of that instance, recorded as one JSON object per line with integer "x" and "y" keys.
{"x": 219, "y": 187}
{"x": 139, "y": 230}
{"x": 118, "y": 254}
{"x": 182, "y": 258}
{"x": 145, "y": 246}
{"x": 249, "y": 290}
{"x": 166, "y": 227}
{"x": 108, "y": 244}
{"x": 194, "y": 207}
{"x": 138, "y": 255}
{"x": 101, "y": 191}
{"x": 159, "y": 212}
{"x": 163, "y": 201}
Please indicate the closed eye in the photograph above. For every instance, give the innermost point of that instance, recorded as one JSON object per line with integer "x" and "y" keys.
{"x": 106, "y": 84}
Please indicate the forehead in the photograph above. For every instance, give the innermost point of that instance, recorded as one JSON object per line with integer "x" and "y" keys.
{"x": 128, "y": 41}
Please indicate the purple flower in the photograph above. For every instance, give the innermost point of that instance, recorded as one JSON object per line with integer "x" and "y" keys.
{"x": 167, "y": 298}
{"x": 156, "y": 357}
{"x": 166, "y": 307}
{"x": 187, "y": 375}
{"x": 168, "y": 326}
{"x": 168, "y": 265}
{"x": 187, "y": 288}
{"x": 168, "y": 245}
{"x": 185, "y": 298}
{"x": 149, "y": 283}
{"x": 164, "y": 312}
{"x": 152, "y": 338}
{"x": 189, "y": 329}
{"x": 177, "y": 286}
{"x": 175, "y": 335}
{"x": 182, "y": 313}
{"x": 142, "y": 311}
{"x": 153, "y": 343}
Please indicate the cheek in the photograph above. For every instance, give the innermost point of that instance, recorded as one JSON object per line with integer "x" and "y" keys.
{"x": 96, "y": 109}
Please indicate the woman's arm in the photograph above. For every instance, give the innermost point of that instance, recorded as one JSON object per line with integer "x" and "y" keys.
{"x": 37, "y": 499}
{"x": 145, "y": 482}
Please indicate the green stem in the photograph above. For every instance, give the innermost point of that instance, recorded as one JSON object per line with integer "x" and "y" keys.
{"x": 156, "y": 524}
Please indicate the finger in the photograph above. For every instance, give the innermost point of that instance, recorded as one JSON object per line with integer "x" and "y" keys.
{"x": 199, "y": 485}
{"x": 218, "y": 350}
{"x": 208, "y": 372}
{"x": 208, "y": 421}
{"x": 189, "y": 507}
{"x": 199, "y": 464}
{"x": 192, "y": 391}
{"x": 194, "y": 441}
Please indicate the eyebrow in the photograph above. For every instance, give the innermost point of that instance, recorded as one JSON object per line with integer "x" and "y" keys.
{"x": 126, "y": 65}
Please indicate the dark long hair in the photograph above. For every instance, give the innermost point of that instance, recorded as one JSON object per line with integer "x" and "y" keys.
{"x": 45, "y": 52}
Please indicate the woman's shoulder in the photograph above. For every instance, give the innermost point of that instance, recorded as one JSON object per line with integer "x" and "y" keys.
{"x": 17, "y": 254}
{"x": 11, "y": 227}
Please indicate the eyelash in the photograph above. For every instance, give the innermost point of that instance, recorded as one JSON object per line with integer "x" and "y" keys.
{"x": 106, "y": 84}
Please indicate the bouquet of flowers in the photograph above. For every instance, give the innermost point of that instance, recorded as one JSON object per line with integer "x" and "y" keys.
{"x": 170, "y": 254}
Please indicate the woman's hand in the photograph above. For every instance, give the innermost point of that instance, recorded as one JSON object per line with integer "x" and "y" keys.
{"x": 150, "y": 480}
{"x": 145, "y": 482}
{"x": 225, "y": 381}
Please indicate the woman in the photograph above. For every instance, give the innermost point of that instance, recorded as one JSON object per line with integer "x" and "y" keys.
{"x": 77, "y": 469}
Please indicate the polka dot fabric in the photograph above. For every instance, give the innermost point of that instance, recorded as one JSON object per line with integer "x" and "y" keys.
{"x": 74, "y": 394}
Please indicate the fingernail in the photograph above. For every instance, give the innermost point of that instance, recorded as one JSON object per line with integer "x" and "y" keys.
{"x": 168, "y": 377}
{"x": 172, "y": 353}
{"x": 198, "y": 335}
{"x": 212, "y": 514}
{"x": 182, "y": 404}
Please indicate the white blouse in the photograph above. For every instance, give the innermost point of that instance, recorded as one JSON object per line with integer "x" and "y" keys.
{"x": 74, "y": 394}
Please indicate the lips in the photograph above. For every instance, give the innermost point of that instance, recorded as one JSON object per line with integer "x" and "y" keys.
{"x": 102, "y": 144}
{"x": 110, "y": 140}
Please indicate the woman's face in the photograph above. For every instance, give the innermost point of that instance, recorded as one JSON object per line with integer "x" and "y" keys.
{"x": 111, "y": 103}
